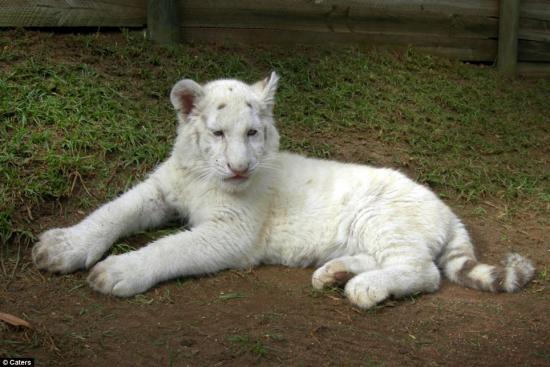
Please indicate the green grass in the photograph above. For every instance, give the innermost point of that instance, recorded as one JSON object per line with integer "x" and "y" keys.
{"x": 82, "y": 117}
{"x": 249, "y": 345}
{"x": 121, "y": 248}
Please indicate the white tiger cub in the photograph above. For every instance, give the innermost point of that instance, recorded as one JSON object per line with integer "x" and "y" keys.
{"x": 373, "y": 230}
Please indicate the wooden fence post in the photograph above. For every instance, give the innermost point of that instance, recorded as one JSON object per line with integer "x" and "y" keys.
{"x": 163, "y": 24}
{"x": 508, "y": 25}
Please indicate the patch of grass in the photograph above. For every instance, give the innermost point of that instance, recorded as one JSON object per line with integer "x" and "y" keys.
{"x": 369, "y": 362}
{"x": 275, "y": 336}
{"x": 479, "y": 211}
{"x": 329, "y": 292}
{"x": 305, "y": 146}
{"x": 268, "y": 317}
{"x": 249, "y": 345}
{"x": 543, "y": 354}
{"x": 141, "y": 299}
{"x": 542, "y": 275}
{"x": 230, "y": 296}
{"x": 82, "y": 127}
{"x": 76, "y": 287}
{"x": 121, "y": 248}
{"x": 18, "y": 343}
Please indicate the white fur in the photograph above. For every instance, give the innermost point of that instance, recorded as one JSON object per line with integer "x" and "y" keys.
{"x": 247, "y": 203}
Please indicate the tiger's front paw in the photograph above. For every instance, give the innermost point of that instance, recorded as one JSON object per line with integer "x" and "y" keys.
{"x": 120, "y": 275}
{"x": 63, "y": 250}
{"x": 333, "y": 273}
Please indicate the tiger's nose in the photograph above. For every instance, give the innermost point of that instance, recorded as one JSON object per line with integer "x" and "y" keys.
{"x": 238, "y": 169}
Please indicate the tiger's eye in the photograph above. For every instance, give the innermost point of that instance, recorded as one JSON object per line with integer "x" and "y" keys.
{"x": 252, "y": 132}
{"x": 218, "y": 133}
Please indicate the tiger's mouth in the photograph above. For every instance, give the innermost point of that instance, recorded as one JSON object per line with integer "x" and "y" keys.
{"x": 237, "y": 178}
{"x": 236, "y": 182}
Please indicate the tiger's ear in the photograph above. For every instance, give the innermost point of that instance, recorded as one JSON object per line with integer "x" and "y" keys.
{"x": 266, "y": 89}
{"x": 185, "y": 95}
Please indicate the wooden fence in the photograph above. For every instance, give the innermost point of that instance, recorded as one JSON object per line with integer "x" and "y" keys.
{"x": 534, "y": 30}
{"x": 73, "y": 13}
{"x": 463, "y": 29}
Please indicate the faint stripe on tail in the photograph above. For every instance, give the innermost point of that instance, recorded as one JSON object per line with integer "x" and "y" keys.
{"x": 464, "y": 269}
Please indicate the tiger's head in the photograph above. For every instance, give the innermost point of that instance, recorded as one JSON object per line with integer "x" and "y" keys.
{"x": 226, "y": 129}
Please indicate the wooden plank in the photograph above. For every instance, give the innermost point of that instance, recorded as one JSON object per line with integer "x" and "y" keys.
{"x": 163, "y": 24}
{"x": 534, "y": 70}
{"x": 72, "y": 13}
{"x": 447, "y": 8}
{"x": 535, "y": 9}
{"x": 465, "y": 29}
{"x": 534, "y": 21}
{"x": 464, "y": 49}
{"x": 508, "y": 37}
{"x": 342, "y": 15}
{"x": 466, "y": 24}
{"x": 534, "y": 31}
{"x": 456, "y": 26}
{"x": 533, "y": 51}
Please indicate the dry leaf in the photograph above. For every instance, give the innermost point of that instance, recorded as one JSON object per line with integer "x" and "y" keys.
{"x": 14, "y": 320}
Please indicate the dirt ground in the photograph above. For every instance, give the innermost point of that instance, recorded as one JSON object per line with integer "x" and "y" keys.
{"x": 271, "y": 316}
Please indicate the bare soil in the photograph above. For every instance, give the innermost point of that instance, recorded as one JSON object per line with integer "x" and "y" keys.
{"x": 271, "y": 316}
